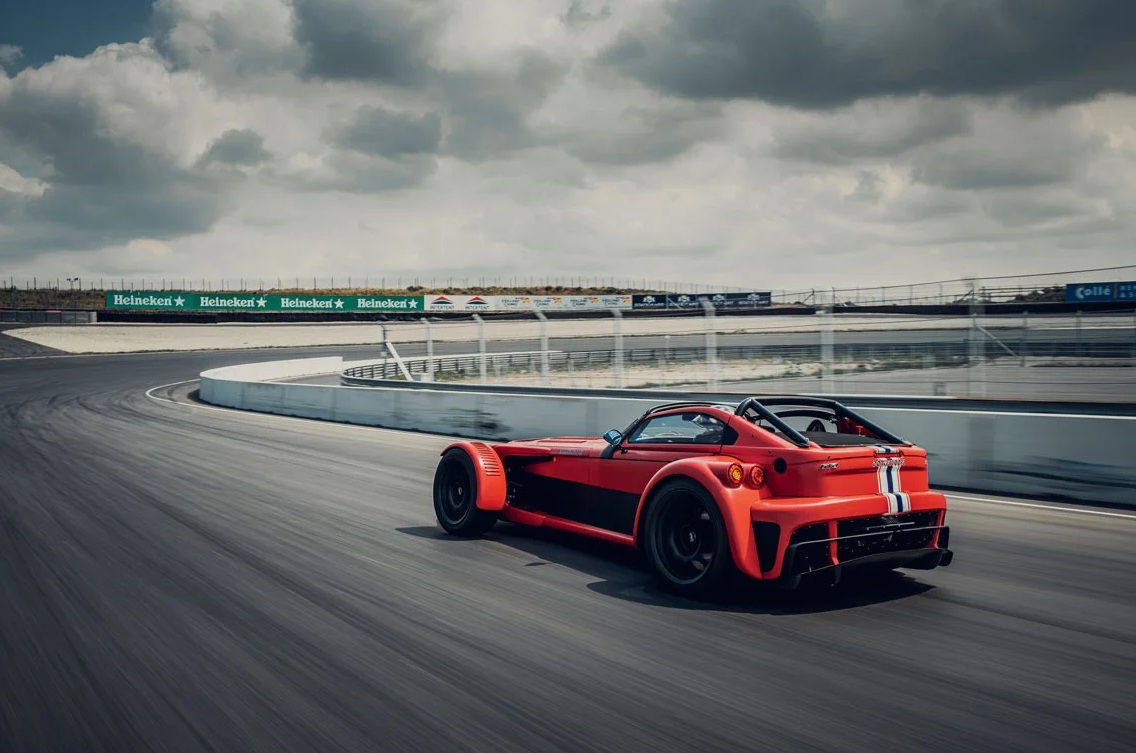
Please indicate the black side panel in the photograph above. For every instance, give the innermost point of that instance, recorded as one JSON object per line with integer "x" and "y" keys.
{"x": 582, "y": 503}
{"x": 767, "y": 536}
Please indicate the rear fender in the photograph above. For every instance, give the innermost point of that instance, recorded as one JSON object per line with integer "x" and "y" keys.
{"x": 733, "y": 502}
{"x": 490, "y": 471}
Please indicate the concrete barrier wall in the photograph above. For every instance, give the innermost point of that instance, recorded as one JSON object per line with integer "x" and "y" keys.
{"x": 40, "y": 316}
{"x": 1081, "y": 457}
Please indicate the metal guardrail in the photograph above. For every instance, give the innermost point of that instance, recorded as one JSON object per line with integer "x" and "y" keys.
{"x": 928, "y": 354}
{"x": 419, "y": 366}
{"x": 367, "y": 376}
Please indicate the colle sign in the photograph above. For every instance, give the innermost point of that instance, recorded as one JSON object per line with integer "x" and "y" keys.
{"x": 179, "y": 301}
{"x": 1084, "y": 292}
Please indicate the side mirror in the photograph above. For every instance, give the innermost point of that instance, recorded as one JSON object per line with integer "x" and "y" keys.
{"x": 613, "y": 437}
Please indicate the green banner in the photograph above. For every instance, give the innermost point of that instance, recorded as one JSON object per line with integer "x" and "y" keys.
{"x": 169, "y": 301}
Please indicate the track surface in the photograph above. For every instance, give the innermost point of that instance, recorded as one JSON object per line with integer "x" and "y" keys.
{"x": 14, "y": 347}
{"x": 176, "y": 577}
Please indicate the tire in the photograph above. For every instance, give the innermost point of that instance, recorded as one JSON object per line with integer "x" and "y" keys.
{"x": 455, "y": 497}
{"x": 686, "y": 541}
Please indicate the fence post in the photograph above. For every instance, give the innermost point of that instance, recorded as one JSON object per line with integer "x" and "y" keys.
{"x": 617, "y": 317}
{"x": 711, "y": 345}
{"x": 429, "y": 351}
{"x": 1080, "y": 350}
{"x": 1025, "y": 337}
{"x": 826, "y": 387}
{"x": 480, "y": 347}
{"x": 976, "y": 387}
{"x": 386, "y": 350}
{"x": 543, "y": 346}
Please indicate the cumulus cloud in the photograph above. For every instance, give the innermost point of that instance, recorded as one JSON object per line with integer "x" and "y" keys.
{"x": 149, "y": 247}
{"x": 738, "y": 142}
{"x": 488, "y": 108}
{"x": 236, "y": 147}
{"x": 100, "y": 135}
{"x": 227, "y": 40}
{"x": 379, "y": 131}
{"x": 820, "y": 54}
{"x": 10, "y": 55}
{"x": 871, "y": 130}
{"x": 1010, "y": 150}
{"x": 386, "y": 42}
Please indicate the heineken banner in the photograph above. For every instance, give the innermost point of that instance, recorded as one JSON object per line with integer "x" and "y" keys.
{"x": 261, "y": 302}
{"x": 694, "y": 300}
{"x": 527, "y": 302}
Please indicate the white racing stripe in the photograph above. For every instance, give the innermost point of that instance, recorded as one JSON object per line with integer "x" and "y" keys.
{"x": 887, "y": 478}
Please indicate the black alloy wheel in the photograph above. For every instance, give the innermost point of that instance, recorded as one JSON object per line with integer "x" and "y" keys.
{"x": 455, "y": 497}
{"x": 686, "y": 540}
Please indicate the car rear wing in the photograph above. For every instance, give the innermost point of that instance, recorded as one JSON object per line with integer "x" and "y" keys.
{"x": 761, "y": 406}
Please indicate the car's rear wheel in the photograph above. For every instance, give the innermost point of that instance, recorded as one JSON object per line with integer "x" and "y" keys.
{"x": 686, "y": 541}
{"x": 455, "y": 497}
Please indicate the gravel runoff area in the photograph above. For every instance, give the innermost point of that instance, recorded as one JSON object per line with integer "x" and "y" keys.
{"x": 133, "y": 338}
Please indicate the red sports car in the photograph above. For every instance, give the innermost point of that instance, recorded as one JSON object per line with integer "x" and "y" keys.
{"x": 705, "y": 489}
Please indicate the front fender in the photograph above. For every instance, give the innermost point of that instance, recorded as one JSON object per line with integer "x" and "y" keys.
{"x": 490, "y": 472}
{"x": 733, "y": 502}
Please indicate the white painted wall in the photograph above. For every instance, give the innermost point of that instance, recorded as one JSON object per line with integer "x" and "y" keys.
{"x": 1087, "y": 458}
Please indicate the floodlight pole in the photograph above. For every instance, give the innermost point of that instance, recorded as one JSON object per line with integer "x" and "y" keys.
{"x": 480, "y": 346}
{"x": 543, "y": 346}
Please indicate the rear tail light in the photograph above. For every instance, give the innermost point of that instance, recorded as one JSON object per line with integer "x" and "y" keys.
{"x": 734, "y": 475}
{"x": 756, "y": 476}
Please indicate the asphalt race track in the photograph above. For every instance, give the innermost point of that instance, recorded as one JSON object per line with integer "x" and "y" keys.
{"x": 14, "y": 347}
{"x": 177, "y": 577}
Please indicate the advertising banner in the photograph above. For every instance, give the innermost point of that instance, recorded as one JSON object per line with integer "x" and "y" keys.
{"x": 693, "y": 300}
{"x": 469, "y": 303}
{"x": 527, "y": 302}
{"x": 177, "y": 301}
{"x": 745, "y": 300}
{"x": 275, "y": 302}
{"x": 1086, "y": 292}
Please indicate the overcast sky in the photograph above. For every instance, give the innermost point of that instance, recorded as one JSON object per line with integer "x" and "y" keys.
{"x": 750, "y": 143}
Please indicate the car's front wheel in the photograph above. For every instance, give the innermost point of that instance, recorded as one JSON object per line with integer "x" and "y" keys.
{"x": 455, "y": 497}
{"x": 686, "y": 542}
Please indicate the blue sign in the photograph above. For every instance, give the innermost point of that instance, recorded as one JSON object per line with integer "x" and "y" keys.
{"x": 1086, "y": 292}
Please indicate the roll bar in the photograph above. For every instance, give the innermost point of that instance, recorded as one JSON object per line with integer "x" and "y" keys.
{"x": 760, "y": 406}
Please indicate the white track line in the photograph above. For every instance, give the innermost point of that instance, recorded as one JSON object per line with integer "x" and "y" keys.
{"x": 375, "y": 433}
{"x": 1052, "y": 508}
{"x": 164, "y": 386}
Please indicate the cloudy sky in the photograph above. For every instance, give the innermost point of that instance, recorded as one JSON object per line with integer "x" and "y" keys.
{"x": 749, "y": 143}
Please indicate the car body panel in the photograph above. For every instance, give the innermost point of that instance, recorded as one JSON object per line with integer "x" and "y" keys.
{"x": 810, "y": 506}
